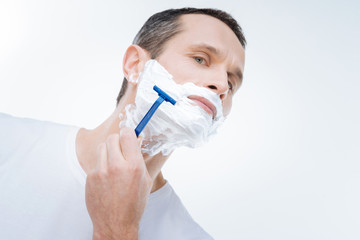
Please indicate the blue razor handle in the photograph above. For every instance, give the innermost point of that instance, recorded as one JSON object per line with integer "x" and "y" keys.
{"x": 162, "y": 96}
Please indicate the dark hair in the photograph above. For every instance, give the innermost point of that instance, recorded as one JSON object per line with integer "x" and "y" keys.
{"x": 162, "y": 26}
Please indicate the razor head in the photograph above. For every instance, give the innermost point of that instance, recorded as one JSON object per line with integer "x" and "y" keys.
{"x": 163, "y": 95}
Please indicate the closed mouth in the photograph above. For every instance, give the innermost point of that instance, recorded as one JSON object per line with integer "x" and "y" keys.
{"x": 205, "y": 104}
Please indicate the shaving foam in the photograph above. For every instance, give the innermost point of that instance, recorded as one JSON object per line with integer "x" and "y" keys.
{"x": 171, "y": 126}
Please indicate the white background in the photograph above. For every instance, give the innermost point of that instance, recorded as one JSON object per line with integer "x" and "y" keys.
{"x": 286, "y": 163}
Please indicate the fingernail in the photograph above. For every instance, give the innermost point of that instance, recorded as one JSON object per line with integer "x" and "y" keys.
{"x": 140, "y": 141}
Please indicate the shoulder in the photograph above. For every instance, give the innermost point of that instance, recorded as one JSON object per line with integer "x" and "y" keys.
{"x": 15, "y": 129}
{"x": 11, "y": 126}
{"x": 18, "y": 132}
{"x": 12, "y": 123}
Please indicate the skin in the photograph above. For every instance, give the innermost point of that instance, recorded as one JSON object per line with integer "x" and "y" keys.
{"x": 120, "y": 178}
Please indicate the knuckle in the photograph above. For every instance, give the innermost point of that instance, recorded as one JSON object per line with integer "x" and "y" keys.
{"x": 112, "y": 138}
{"x": 136, "y": 170}
{"x": 101, "y": 174}
{"x": 96, "y": 176}
{"x": 126, "y": 134}
{"x": 115, "y": 169}
{"x": 99, "y": 147}
{"x": 114, "y": 157}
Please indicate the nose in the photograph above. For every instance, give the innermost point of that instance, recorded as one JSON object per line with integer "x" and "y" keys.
{"x": 218, "y": 83}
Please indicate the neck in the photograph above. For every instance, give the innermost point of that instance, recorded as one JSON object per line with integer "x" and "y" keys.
{"x": 88, "y": 140}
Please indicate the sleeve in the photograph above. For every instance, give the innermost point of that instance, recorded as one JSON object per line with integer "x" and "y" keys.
{"x": 16, "y": 134}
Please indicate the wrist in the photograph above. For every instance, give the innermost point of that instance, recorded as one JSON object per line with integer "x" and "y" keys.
{"x": 129, "y": 233}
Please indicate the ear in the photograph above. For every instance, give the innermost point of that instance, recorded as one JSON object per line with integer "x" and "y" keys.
{"x": 133, "y": 63}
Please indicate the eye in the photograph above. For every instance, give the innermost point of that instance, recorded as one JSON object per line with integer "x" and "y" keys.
{"x": 230, "y": 86}
{"x": 199, "y": 60}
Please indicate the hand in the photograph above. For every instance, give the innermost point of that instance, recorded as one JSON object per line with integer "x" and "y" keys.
{"x": 118, "y": 189}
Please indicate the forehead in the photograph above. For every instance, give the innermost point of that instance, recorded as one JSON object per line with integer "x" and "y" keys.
{"x": 198, "y": 29}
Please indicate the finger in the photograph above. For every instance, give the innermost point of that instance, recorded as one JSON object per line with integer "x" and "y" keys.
{"x": 130, "y": 146}
{"x": 113, "y": 150}
{"x": 101, "y": 154}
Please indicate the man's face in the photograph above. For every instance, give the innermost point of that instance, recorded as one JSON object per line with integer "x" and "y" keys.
{"x": 208, "y": 54}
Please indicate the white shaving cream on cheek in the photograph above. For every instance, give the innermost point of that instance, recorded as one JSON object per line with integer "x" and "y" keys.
{"x": 171, "y": 126}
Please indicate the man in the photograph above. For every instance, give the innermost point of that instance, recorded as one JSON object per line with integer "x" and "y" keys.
{"x": 43, "y": 166}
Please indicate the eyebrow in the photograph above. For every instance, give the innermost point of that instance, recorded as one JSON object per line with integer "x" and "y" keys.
{"x": 238, "y": 73}
{"x": 210, "y": 48}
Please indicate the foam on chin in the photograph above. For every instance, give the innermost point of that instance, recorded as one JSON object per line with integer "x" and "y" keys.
{"x": 172, "y": 126}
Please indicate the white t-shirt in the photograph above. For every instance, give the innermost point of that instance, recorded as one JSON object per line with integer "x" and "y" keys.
{"x": 42, "y": 189}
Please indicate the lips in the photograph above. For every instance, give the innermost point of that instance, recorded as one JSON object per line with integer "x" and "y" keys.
{"x": 204, "y": 104}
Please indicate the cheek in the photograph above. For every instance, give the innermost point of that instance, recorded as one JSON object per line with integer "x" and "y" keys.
{"x": 172, "y": 65}
{"x": 180, "y": 67}
{"x": 227, "y": 103}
